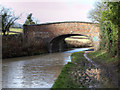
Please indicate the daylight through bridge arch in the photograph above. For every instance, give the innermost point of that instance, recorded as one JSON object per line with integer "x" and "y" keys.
{"x": 58, "y": 43}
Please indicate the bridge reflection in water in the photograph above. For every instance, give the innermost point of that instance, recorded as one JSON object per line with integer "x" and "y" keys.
{"x": 35, "y": 71}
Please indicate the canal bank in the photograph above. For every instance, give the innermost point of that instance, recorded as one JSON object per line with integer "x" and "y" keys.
{"x": 41, "y": 71}
{"x": 109, "y": 66}
{"x": 81, "y": 73}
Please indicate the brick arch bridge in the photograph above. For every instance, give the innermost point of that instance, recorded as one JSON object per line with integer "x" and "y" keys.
{"x": 48, "y": 31}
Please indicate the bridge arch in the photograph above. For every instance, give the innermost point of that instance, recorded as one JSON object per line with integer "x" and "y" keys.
{"x": 42, "y": 34}
{"x": 58, "y": 43}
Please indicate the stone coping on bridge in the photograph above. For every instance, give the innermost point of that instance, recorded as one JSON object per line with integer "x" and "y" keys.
{"x": 60, "y": 23}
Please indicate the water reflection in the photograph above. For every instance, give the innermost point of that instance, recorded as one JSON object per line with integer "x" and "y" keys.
{"x": 76, "y": 50}
{"x": 35, "y": 71}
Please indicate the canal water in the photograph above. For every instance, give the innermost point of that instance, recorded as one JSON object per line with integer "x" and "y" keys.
{"x": 39, "y": 71}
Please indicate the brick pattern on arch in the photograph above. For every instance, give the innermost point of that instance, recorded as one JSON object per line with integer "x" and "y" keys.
{"x": 47, "y": 32}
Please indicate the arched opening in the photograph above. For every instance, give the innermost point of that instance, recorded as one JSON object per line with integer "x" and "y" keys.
{"x": 59, "y": 44}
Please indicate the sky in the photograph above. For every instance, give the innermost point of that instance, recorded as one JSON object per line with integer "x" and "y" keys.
{"x": 48, "y": 11}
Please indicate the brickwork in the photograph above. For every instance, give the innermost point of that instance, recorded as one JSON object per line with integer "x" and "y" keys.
{"x": 49, "y": 31}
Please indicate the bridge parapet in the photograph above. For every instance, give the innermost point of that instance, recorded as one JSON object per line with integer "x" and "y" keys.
{"x": 47, "y": 32}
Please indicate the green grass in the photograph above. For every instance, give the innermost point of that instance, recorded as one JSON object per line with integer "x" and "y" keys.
{"x": 106, "y": 60}
{"x": 16, "y": 30}
{"x": 64, "y": 80}
{"x": 79, "y": 40}
{"x": 68, "y": 77}
{"x": 102, "y": 56}
{"x": 82, "y": 39}
{"x": 77, "y": 56}
{"x": 19, "y": 30}
{"x": 79, "y": 37}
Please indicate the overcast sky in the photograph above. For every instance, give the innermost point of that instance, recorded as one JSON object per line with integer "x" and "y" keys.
{"x": 51, "y": 10}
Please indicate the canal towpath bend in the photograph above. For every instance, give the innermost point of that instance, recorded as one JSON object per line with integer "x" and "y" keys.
{"x": 105, "y": 74}
{"x": 41, "y": 71}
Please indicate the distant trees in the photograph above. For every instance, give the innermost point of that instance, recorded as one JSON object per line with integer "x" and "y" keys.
{"x": 29, "y": 20}
{"x": 37, "y": 21}
{"x": 8, "y": 19}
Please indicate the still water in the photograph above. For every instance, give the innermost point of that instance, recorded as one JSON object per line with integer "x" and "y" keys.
{"x": 39, "y": 71}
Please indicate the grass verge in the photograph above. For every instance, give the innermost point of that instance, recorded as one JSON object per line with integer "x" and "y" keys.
{"x": 82, "y": 74}
{"x": 73, "y": 74}
{"x": 103, "y": 57}
{"x": 109, "y": 65}
{"x": 16, "y": 30}
{"x": 65, "y": 80}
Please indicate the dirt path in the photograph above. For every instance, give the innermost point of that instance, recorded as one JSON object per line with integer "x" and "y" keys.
{"x": 108, "y": 76}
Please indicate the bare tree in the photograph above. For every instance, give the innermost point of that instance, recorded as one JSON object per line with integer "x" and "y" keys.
{"x": 37, "y": 21}
{"x": 95, "y": 14}
{"x": 8, "y": 19}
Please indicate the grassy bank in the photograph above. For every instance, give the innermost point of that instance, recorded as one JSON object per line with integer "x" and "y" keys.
{"x": 103, "y": 57}
{"x": 109, "y": 65}
{"x": 65, "y": 80}
{"x": 82, "y": 74}
{"x": 74, "y": 74}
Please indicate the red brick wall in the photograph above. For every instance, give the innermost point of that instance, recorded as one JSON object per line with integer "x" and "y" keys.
{"x": 51, "y": 30}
